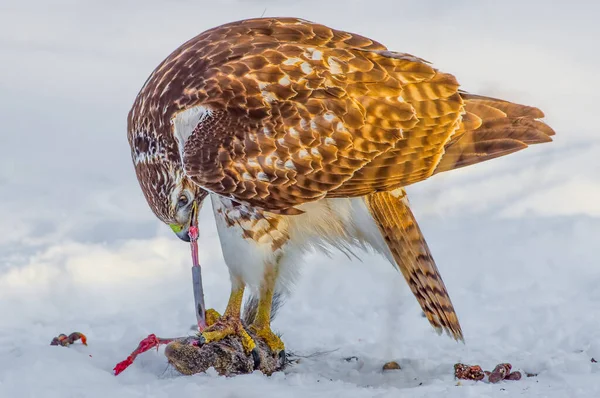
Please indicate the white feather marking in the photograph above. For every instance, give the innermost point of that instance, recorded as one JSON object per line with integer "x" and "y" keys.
{"x": 247, "y": 176}
{"x": 269, "y": 161}
{"x": 341, "y": 128}
{"x": 313, "y": 54}
{"x": 290, "y": 165}
{"x": 262, "y": 176}
{"x": 315, "y": 152}
{"x": 329, "y": 116}
{"x": 305, "y": 66}
{"x": 185, "y": 122}
{"x": 294, "y": 133}
{"x": 154, "y": 152}
{"x": 303, "y": 153}
{"x": 284, "y": 81}
{"x": 234, "y": 214}
{"x": 398, "y": 193}
{"x": 330, "y": 141}
{"x": 267, "y": 132}
{"x": 292, "y": 61}
{"x": 334, "y": 66}
{"x": 268, "y": 96}
{"x": 164, "y": 91}
{"x": 313, "y": 125}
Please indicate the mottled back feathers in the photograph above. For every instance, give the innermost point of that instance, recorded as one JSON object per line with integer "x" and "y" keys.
{"x": 300, "y": 111}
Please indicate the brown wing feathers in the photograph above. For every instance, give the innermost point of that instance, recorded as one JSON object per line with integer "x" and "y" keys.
{"x": 415, "y": 155}
{"x": 409, "y": 249}
{"x": 310, "y": 113}
{"x": 492, "y": 128}
{"x": 302, "y": 111}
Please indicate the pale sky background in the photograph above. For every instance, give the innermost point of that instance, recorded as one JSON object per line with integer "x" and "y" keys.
{"x": 70, "y": 70}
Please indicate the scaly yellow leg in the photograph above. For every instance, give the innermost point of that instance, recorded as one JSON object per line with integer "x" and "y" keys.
{"x": 262, "y": 322}
{"x": 230, "y": 323}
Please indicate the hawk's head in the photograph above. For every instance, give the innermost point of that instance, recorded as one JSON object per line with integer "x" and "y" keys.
{"x": 161, "y": 104}
{"x": 173, "y": 198}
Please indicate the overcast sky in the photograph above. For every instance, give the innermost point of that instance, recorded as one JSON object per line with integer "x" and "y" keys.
{"x": 70, "y": 70}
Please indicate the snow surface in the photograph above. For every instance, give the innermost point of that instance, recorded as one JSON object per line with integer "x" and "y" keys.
{"x": 526, "y": 292}
{"x": 515, "y": 239}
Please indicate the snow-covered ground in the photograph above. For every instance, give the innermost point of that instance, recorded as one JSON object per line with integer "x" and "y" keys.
{"x": 526, "y": 293}
{"x": 515, "y": 239}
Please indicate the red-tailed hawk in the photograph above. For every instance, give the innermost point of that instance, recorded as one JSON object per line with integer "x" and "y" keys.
{"x": 304, "y": 137}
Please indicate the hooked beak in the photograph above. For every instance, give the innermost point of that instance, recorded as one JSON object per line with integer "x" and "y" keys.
{"x": 183, "y": 231}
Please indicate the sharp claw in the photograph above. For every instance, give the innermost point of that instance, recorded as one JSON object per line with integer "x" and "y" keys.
{"x": 256, "y": 358}
{"x": 282, "y": 356}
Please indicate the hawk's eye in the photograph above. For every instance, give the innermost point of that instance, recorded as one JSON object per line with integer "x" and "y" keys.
{"x": 183, "y": 200}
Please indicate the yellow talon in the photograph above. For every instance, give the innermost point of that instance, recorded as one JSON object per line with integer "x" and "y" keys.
{"x": 219, "y": 327}
{"x": 261, "y": 326}
{"x": 247, "y": 342}
{"x": 271, "y": 339}
{"x": 212, "y": 316}
{"x": 227, "y": 327}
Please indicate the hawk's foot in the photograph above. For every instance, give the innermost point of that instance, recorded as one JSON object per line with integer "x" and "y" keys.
{"x": 226, "y": 325}
{"x": 212, "y": 316}
{"x": 271, "y": 339}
